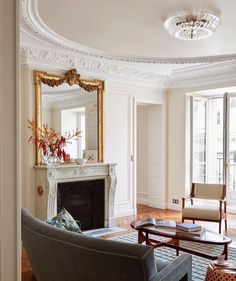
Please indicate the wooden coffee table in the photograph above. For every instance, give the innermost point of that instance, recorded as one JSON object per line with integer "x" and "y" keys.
{"x": 173, "y": 239}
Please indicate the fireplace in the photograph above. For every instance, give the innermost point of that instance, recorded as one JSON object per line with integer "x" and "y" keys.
{"x": 84, "y": 200}
{"x": 86, "y": 191}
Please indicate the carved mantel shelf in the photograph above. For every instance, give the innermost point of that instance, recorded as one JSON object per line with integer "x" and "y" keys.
{"x": 48, "y": 177}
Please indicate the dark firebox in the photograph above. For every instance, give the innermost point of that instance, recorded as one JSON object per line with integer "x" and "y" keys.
{"x": 84, "y": 200}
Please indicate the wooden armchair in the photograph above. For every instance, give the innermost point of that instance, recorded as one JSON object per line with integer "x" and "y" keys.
{"x": 206, "y": 212}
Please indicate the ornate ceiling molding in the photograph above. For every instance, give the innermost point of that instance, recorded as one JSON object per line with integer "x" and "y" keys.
{"x": 32, "y": 21}
{"x": 87, "y": 66}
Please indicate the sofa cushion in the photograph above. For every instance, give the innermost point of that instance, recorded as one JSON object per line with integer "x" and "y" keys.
{"x": 65, "y": 220}
{"x": 160, "y": 265}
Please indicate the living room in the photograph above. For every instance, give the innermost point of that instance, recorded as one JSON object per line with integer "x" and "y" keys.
{"x": 145, "y": 126}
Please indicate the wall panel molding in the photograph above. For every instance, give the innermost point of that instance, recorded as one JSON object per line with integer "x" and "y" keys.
{"x": 1, "y": 142}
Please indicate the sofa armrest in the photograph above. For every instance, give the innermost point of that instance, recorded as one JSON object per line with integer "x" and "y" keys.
{"x": 179, "y": 269}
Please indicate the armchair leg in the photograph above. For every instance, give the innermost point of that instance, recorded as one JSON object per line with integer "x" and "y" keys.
{"x": 220, "y": 226}
{"x": 182, "y": 219}
{"x": 225, "y": 224}
{"x": 193, "y": 221}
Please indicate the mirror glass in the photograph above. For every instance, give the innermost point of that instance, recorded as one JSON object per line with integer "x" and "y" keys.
{"x": 67, "y": 102}
{"x": 67, "y": 108}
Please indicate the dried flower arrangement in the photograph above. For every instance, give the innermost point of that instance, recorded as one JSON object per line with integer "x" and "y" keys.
{"x": 51, "y": 143}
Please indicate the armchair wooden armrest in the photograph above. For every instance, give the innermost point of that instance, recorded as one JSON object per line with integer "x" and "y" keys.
{"x": 189, "y": 197}
{"x": 222, "y": 202}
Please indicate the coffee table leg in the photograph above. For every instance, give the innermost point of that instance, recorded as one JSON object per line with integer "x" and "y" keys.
{"x": 176, "y": 243}
{"x": 141, "y": 237}
{"x": 225, "y": 252}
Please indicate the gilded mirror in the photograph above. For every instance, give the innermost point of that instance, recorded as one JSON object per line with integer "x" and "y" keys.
{"x": 68, "y": 101}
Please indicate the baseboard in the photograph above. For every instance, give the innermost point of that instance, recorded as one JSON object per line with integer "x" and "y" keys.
{"x": 155, "y": 204}
{"x": 142, "y": 198}
{"x": 142, "y": 201}
{"x": 125, "y": 213}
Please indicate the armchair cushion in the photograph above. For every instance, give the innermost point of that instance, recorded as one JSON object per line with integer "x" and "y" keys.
{"x": 208, "y": 191}
{"x": 201, "y": 212}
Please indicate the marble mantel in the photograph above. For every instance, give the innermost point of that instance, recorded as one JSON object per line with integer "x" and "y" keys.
{"x": 48, "y": 177}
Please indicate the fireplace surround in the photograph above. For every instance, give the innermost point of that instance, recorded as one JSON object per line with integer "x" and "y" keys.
{"x": 88, "y": 188}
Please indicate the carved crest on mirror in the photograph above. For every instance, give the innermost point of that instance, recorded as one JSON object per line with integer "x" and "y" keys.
{"x": 71, "y": 78}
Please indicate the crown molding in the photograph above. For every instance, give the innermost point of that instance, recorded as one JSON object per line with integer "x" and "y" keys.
{"x": 52, "y": 58}
{"x": 204, "y": 74}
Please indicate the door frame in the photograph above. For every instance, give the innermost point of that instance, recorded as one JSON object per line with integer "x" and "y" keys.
{"x": 227, "y": 97}
{"x": 136, "y": 102}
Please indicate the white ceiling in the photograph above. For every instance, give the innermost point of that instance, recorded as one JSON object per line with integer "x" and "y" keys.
{"x": 125, "y": 41}
{"x": 135, "y": 27}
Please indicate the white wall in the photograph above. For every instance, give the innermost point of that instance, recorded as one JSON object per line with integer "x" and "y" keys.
{"x": 27, "y": 150}
{"x": 179, "y": 141}
{"x": 10, "y": 100}
{"x": 119, "y": 101}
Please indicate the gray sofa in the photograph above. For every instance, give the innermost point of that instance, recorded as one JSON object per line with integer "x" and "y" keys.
{"x": 60, "y": 255}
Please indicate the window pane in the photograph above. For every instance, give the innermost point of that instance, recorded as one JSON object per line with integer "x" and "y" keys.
{"x": 232, "y": 145}
{"x": 215, "y": 141}
{"x": 208, "y": 140}
{"x": 199, "y": 141}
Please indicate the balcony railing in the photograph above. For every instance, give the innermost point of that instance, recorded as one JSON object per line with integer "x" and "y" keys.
{"x": 232, "y": 169}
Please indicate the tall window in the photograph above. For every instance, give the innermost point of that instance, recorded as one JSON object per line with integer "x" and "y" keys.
{"x": 207, "y": 140}
{"x": 199, "y": 140}
{"x": 214, "y": 142}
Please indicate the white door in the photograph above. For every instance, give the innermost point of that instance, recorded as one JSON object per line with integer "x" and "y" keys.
{"x": 9, "y": 244}
{"x": 149, "y": 155}
{"x": 155, "y": 156}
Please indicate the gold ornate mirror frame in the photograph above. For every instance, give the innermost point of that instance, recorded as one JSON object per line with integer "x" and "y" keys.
{"x": 71, "y": 77}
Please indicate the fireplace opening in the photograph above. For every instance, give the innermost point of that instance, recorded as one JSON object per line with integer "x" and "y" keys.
{"x": 84, "y": 200}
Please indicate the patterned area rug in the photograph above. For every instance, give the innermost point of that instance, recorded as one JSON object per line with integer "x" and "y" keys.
{"x": 103, "y": 231}
{"x": 199, "y": 265}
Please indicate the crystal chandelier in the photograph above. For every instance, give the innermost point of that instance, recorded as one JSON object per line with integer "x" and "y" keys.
{"x": 193, "y": 26}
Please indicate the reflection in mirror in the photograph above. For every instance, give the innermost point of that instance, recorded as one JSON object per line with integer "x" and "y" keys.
{"x": 67, "y": 108}
{"x": 67, "y": 102}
